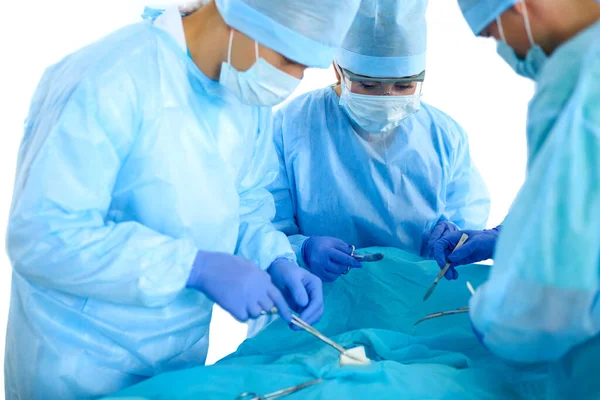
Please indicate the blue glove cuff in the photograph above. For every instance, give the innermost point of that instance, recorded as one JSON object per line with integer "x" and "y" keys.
{"x": 193, "y": 278}
{"x": 304, "y": 251}
{"x": 281, "y": 260}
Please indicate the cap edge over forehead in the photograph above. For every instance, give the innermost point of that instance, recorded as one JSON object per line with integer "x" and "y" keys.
{"x": 381, "y": 67}
{"x": 276, "y": 36}
{"x": 480, "y": 14}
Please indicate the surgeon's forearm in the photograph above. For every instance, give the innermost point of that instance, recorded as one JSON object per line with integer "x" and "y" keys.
{"x": 263, "y": 244}
{"x": 297, "y": 242}
{"x": 526, "y": 322}
{"x": 258, "y": 240}
{"x": 125, "y": 263}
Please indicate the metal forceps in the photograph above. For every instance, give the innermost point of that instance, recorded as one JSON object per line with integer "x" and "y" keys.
{"x": 308, "y": 328}
{"x": 363, "y": 258}
{"x": 278, "y": 394}
{"x": 451, "y": 312}
{"x": 366, "y": 257}
{"x": 443, "y": 313}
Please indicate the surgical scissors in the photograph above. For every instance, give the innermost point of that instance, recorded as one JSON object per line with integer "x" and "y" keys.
{"x": 368, "y": 257}
{"x": 278, "y": 394}
{"x": 365, "y": 257}
{"x": 308, "y": 328}
{"x": 442, "y": 313}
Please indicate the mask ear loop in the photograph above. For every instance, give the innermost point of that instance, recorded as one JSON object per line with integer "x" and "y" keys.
{"x": 342, "y": 76}
{"x": 528, "y": 25}
{"x": 338, "y": 69}
{"x": 229, "y": 49}
{"x": 500, "y": 29}
{"x": 231, "y": 43}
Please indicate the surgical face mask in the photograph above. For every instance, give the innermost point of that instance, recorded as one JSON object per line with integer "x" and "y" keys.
{"x": 261, "y": 85}
{"x": 378, "y": 114}
{"x": 535, "y": 58}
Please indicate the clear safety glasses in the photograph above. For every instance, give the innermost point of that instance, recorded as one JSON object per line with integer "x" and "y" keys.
{"x": 383, "y": 86}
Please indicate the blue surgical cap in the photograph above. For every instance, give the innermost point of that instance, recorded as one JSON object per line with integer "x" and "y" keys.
{"x": 387, "y": 39}
{"x": 305, "y": 31}
{"x": 480, "y": 13}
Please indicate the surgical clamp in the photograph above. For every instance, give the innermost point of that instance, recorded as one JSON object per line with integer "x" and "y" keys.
{"x": 308, "y": 328}
{"x": 278, "y": 394}
{"x": 368, "y": 257}
{"x": 443, "y": 313}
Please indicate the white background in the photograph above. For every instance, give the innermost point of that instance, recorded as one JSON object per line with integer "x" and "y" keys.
{"x": 465, "y": 78}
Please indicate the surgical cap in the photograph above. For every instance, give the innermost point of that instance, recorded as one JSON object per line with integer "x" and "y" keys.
{"x": 480, "y": 13}
{"x": 388, "y": 38}
{"x": 305, "y": 31}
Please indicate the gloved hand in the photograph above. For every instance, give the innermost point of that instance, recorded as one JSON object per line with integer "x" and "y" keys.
{"x": 302, "y": 290}
{"x": 238, "y": 285}
{"x": 328, "y": 257}
{"x": 430, "y": 237}
{"x": 480, "y": 246}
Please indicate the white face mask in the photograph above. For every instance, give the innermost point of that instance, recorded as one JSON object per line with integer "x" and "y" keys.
{"x": 261, "y": 85}
{"x": 378, "y": 114}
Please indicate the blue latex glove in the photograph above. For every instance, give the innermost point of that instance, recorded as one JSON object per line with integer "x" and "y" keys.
{"x": 238, "y": 285}
{"x": 480, "y": 246}
{"x": 430, "y": 237}
{"x": 328, "y": 257}
{"x": 302, "y": 290}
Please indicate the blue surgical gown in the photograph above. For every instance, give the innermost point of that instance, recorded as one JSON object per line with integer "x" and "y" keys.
{"x": 542, "y": 296}
{"x": 372, "y": 190}
{"x": 132, "y": 161}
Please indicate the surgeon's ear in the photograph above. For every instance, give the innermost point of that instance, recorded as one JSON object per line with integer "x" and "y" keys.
{"x": 518, "y": 8}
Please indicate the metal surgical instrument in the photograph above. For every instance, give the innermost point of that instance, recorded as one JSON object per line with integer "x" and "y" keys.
{"x": 278, "y": 394}
{"x": 308, "y": 328}
{"x": 439, "y": 276}
{"x": 368, "y": 257}
{"x": 442, "y": 313}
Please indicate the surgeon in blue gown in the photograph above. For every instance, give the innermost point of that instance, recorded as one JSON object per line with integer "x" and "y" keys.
{"x": 542, "y": 300}
{"x": 365, "y": 162}
{"x": 140, "y": 196}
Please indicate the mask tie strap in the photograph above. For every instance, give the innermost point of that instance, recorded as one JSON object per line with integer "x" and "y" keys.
{"x": 500, "y": 29}
{"x": 342, "y": 77}
{"x": 256, "y": 49}
{"x": 229, "y": 49}
{"x": 528, "y": 25}
{"x": 338, "y": 69}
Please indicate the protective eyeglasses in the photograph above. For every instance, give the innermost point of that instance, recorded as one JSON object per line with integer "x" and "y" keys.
{"x": 352, "y": 77}
{"x": 383, "y": 86}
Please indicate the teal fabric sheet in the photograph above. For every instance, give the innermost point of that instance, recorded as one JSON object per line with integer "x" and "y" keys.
{"x": 375, "y": 307}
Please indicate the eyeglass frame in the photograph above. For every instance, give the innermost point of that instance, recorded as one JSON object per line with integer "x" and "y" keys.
{"x": 352, "y": 77}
